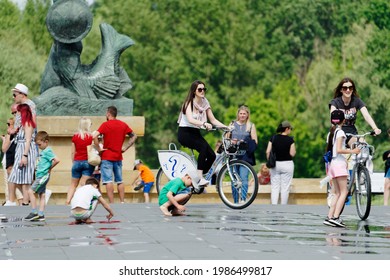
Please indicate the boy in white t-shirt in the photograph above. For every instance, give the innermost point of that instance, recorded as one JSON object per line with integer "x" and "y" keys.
{"x": 85, "y": 200}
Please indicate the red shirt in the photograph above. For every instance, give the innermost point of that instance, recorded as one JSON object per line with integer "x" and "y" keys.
{"x": 114, "y": 133}
{"x": 81, "y": 146}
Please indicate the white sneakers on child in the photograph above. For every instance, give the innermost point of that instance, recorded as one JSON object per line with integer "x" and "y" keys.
{"x": 9, "y": 203}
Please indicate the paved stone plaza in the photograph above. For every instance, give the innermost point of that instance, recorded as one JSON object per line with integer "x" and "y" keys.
{"x": 209, "y": 231}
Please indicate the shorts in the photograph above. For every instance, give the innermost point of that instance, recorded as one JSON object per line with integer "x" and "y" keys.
{"x": 388, "y": 174}
{"x": 81, "y": 168}
{"x": 147, "y": 186}
{"x": 109, "y": 168}
{"x": 80, "y": 216}
{"x": 338, "y": 169}
{"x": 185, "y": 191}
{"x": 39, "y": 185}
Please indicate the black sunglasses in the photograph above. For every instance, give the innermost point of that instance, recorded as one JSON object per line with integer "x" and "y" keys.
{"x": 8, "y": 124}
{"x": 13, "y": 113}
{"x": 202, "y": 89}
{"x": 345, "y": 88}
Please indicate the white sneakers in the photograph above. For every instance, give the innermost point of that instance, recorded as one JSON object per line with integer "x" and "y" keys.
{"x": 9, "y": 203}
{"x": 203, "y": 182}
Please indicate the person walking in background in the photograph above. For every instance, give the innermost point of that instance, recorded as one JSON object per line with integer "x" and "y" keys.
{"x": 81, "y": 169}
{"x": 146, "y": 176}
{"x": 244, "y": 131}
{"x": 281, "y": 175}
{"x": 8, "y": 148}
{"x": 20, "y": 95}
{"x": 46, "y": 162}
{"x": 26, "y": 153}
{"x": 114, "y": 133}
{"x": 346, "y": 99}
{"x": 386, "y": 188}
{"x": 195, "y": 114}
{"x": 338, "y": 169}
{"x": 85, "y": 201}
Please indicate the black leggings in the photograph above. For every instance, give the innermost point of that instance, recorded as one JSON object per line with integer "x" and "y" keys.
{"x": 191, "y": 138}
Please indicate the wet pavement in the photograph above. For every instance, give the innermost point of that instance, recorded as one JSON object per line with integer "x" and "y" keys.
{"x": 208, "y": 232}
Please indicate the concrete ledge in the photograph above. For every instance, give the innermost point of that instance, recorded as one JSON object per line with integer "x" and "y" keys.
{"x": 303, "y": 191}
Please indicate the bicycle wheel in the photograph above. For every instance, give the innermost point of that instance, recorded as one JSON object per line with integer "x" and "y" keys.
{"x": 363, "y": 193}
{"x": 238, "y": 185}
{"x": 161, "y": 180}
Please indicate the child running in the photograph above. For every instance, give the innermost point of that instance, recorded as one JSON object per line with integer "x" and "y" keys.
{"x": 338, "y": 169}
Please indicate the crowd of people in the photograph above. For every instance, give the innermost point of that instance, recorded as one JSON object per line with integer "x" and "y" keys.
{"x": 29, "y": 159}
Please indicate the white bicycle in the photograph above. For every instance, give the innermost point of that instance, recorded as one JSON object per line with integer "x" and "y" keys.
{"x": 236, "y": 180}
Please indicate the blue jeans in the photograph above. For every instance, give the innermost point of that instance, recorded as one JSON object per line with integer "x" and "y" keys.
{"x": 243, "y": 173}
{"x": 109, "y": 168}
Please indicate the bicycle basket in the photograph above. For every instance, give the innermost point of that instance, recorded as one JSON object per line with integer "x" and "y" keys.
{"x": 364, "y": 154}
{"x": 235, "y": 149}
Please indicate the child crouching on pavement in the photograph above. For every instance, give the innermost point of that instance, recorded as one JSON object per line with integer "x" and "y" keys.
{"x": 176, "y": 193}
{"x": 46, "y": 162}
{"x": 85, "y": 200}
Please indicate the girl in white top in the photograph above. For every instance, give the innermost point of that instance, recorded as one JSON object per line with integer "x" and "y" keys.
{"x": 196, "y": 113}
{"x": 338, "y": 170}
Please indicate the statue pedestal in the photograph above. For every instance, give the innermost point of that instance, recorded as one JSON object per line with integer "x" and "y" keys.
{"x": 61, "y": 130}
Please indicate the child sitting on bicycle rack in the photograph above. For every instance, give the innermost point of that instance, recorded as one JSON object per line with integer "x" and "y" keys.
{"x": 338, "y": 169}
{"x": 176, "y": 193}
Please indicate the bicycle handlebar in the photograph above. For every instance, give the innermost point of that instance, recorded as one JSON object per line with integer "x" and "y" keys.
{"x": 223, "y": 128}
{"x": 361, "y": 135}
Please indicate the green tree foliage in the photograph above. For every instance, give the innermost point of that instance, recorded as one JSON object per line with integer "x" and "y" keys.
{"x": 281, "y": 58}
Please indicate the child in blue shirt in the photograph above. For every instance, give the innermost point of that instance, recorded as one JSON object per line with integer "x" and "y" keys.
{"x": 46, "y": 161}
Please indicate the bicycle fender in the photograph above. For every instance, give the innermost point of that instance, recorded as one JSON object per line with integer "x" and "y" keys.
{"x": 175, "y": 163}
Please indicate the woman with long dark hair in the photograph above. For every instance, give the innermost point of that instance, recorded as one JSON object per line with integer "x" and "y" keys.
{"x": 196, "y": 113}
{"x": 347, "y": 99}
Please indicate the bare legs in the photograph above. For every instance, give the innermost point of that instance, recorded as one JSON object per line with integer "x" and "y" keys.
{"x": 340, "y": 192}
{"x": 386, "y": 192}
{"x": 181, "y": 199}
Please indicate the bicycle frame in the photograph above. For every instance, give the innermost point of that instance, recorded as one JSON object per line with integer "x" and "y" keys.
{"x": 232, "y": 174}
{"x": 360, "y": 181}
{"x": 176, "y": 163}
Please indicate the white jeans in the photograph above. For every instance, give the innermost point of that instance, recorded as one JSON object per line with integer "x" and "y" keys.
{"x": 281, "y": 177}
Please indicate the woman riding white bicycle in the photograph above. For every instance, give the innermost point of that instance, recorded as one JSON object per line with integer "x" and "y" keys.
{"x": 195, "y": 113}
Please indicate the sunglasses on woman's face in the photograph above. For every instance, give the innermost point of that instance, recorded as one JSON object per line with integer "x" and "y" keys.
{"x": 8, "y": 124}
{"x": 202, "y": 89}
{"x": 346, "y": 88}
